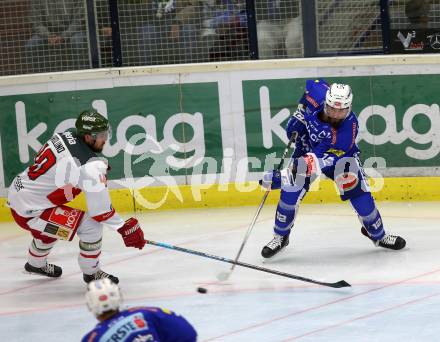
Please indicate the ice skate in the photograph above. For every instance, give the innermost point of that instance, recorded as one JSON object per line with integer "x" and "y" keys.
{"x": 388, "y": 241}
{"x": 99, "y": 275}
{"x": 50, "y": 270}
{"x": 275, "y": 245}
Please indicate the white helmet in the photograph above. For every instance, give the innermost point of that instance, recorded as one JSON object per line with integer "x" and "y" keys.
{"x": 103, "y": 295}
{"x": 339, "y": 96}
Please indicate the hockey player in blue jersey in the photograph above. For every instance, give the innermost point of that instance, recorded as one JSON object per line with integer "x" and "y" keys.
{"x": 139, "y": 324}
{"x": 326, "y": 131}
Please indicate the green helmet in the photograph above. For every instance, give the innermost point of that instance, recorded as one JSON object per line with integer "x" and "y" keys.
{"x": 91, "y": 122}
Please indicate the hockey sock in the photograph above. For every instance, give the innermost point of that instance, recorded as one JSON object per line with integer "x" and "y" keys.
{"x": 286, "y": 211}
{"x": 38, "y": 252}
{"x": 369, "y": 215}
{"x": 88, "y": 258}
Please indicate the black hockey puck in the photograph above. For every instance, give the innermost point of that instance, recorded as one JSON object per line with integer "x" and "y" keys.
{"x": 202, "y": 290}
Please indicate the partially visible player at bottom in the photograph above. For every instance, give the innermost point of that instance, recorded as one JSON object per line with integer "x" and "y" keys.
{"x": 65, "y": 166}
{"x": 326, "y": 131}
{"x": 152, "y": 324}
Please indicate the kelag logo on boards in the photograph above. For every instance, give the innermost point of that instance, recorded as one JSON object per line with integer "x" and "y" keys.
{"x": 163, "y": 135}
{"x": 194, "y": 146}
{"x": 175, "y": 118}
{"x": 391, "y": 133}
{"x": 160, "y": 133}
{"x": 402, "y": 130}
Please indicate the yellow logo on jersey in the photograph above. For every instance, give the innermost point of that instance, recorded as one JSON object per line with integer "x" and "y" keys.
{"x": 337, "y": 153}
{"x": 169, "y": 312}
{"x": 63, "y": 233}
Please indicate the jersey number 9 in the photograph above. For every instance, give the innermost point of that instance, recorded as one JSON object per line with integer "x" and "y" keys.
{"x": 43, "y": 161}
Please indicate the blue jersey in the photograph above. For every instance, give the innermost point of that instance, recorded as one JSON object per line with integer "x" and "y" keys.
{"x": 143, "y": 324}
{"x": 324, "y": 140}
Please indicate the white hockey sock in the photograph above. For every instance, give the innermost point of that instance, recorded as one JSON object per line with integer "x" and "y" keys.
{"x": 38, "y": 252}
{"x": 88, "y": 258}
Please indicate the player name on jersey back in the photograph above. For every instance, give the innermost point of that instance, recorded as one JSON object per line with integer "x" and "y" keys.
{"x": 77, "y": 148}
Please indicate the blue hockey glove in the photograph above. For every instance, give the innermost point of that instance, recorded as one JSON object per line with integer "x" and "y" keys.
{"x": 275, "y": 179}
{"x": 305, "y": 167}
{"x": 271, "y": 180}
{"x": 296, "y": 123}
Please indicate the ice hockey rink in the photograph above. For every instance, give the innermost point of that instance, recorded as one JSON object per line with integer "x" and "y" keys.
{"x": 395, "y": 295}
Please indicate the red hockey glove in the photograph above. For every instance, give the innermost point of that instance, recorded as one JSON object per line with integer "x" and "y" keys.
{"x": 132, "y": 234}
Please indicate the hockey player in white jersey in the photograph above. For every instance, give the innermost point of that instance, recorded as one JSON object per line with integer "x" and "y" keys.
{"x": 65, "y": 166}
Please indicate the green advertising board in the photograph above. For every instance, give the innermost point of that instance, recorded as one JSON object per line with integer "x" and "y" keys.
{"x": 176, "y": 119}
{"x": 399, "y": 116}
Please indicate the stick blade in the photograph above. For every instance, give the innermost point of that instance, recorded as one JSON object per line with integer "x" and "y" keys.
{"x": 341, "y": 283}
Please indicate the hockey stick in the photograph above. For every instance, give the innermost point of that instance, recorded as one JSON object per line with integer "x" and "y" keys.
{"x": 225, "y": 275}
{"x": 339, "y": 284}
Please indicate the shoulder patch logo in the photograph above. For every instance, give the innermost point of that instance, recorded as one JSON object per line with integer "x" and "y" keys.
{"x": 338, "y": 153}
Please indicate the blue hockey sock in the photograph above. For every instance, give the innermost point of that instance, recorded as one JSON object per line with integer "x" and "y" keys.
{"x": 369, "y": 215}
{"x": 286, "y": 211}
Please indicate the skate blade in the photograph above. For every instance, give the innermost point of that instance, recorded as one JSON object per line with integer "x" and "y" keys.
{"x": 275, "y": 257}
{"x": 38, "y": 274}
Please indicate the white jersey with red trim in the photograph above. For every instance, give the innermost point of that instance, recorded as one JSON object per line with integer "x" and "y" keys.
{"x": 63, "y": 168}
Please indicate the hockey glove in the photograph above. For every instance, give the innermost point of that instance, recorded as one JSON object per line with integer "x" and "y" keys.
{"x": 300, "y": 171}
{"x": 132, "y": 234}
{"x": 296, "y": 123}
{"x": 271, "y": 180}
{"x": 275, "y": 179}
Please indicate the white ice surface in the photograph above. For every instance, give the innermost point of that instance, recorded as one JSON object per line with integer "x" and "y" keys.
{"x": 395, "y": 295}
